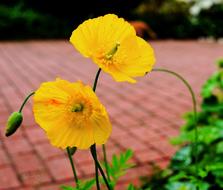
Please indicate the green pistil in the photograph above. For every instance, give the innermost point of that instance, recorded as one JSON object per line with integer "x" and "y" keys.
{"x": 77, "y": 108}
{"x": 112, "y": 52}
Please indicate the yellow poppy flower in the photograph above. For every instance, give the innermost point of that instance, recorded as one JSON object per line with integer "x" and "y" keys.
{"x": 71, "y": 114}
{"x": 112, "y": 44}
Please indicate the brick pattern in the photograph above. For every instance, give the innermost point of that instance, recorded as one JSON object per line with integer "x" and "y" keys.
{"x": 144, "y": 115}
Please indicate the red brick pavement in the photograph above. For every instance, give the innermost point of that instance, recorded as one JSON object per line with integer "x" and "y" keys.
{"x": 143, "y": 115}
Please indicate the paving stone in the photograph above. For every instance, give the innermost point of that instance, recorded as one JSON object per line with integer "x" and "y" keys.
{"x": 18, "y": 145}
{"x": 46, "y": 151}
{"x": 4, "y": 160}
{"x": 61, "y": 169}
{"x": 148, "y": 155}
{"x": 36, "y": 135}
{"x": 33, "y": 178}
{"x": 27, "y": 162}
{"x": 8, "y": 178}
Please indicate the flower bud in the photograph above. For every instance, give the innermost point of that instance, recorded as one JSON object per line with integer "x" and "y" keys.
{"x": 13, "y": 123}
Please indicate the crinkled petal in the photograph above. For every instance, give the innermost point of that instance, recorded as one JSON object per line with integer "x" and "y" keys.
{"x": 135, "y": 57}
{"x": 101, "y": 127}
{"x": 100, "y": 34}
{"x": 120, "y": 76}
{"x": 49, "y": 104}
{"x": 72, "y": 136}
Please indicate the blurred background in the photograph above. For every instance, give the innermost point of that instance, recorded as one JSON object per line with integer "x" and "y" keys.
{"x": 179, "y": 19}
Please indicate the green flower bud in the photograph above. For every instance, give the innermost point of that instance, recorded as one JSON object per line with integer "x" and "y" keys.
{"x": 13, "y": 123}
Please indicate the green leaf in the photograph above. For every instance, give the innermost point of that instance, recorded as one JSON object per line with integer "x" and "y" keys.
{"x": 202, "y": 173}
{"x": 179, "y": 176}
{"x": 207, "y": 134}
{"x": 119, "y": 165}
{"x": 182, "y": 158}
{"x": 115, "y": 162}
{"x": 180, "y": 186}
{"x": 215, "y": 166}
{"x": 219, "y": 148}
{"x": 202, "y": 185}
{"x": 88, "y": 184}
{"x": 131, "y": 187}
{"x": 68, "y": 188}
{"x": 211, "y": 83}
{"x": 192, "y": 184}
{"x": 83, "y": 185}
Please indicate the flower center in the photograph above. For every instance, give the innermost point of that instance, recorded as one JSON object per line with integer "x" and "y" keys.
{"x": 112, "y": 52}
{"x": 77, "y": 108}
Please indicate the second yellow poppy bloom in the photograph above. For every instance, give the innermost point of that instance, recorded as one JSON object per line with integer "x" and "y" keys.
{"x": 71, "y": 114}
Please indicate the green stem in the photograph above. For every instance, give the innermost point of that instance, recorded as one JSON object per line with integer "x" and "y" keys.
{"x": 106, "y": 161}
{"x": 97, "y": 165}
{"x": 96, "y": 80}
{"x": 73, "y": 168}
{"x": 195, "y": 151}
{"x": 94, "y": 155}
{"x": 26, "y": 99}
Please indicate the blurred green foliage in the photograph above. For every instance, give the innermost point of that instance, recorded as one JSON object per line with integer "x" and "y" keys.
{"x": 20, "y": 22}
{"x": 57, "y": 19}
{"x": 172, "y": 19}
{"x": 182, "y": 172}
{"x": 53, "y": 18}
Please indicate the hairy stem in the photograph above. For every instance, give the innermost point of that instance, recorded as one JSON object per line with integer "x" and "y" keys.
{"x": 195, "y": 151}
{"x": 73, "y": 168}
{"x": 24, "y": 102}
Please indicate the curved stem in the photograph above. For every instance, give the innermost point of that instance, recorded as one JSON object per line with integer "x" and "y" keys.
{"x": 73, "y": 168}
{"x": 94, "y": 155}
{"x": 96, "y": 80}
{"x": 26, "y": 99}
{"x": 106, "y": 161}
{"x": 194, "y": 110}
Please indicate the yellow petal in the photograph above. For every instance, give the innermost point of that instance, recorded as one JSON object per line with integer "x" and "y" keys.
{"x": 49, "y": 104}
{"x": 119, "y": 76}
{"x": 134, "y": 58}
{"x": 141, "y": 59}
{"x": 100, "y": 34}
{"x": 63, "y": 136}
{"x": 101, "y": 127}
